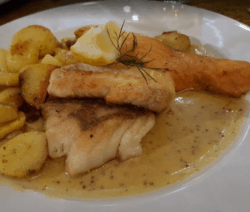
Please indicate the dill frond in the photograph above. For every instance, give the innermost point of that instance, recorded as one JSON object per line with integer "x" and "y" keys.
{"x": 129, "y": 60}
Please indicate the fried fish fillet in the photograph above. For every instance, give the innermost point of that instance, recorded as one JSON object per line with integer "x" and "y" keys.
{"x": 91, "y": 133}
{"x": 188, "y": 71}
{"x": 116, "y": 83}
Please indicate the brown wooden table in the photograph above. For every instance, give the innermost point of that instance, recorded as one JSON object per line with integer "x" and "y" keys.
{"x": 236, "y": 9}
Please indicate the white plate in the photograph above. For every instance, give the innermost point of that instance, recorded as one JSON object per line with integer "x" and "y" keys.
{"x": 225, "y": 184}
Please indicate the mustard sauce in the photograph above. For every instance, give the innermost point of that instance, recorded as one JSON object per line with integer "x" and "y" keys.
{"x": 190, "y": 134}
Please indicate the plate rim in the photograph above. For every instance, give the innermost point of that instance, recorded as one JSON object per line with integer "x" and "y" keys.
{"x": 98, "y": 202}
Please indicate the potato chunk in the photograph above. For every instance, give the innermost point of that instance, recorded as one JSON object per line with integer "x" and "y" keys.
{"x": 3, "y": 62}
{"x": 67, "y": 42}
{"x": 34, "y": 80}
{"x": 7, "y": 113}
{"x": 45, "y": 41}
{"x": 24, "y": 154}
{"x": 175, "y": 40}
{"x": 11, "y": 96}
{"x": 9, "y": 79}
{"x": 65, "y": 57}
{"x": 48, "y": 59}
{"x": 82, "y": 30}
{"x": 21, "y": 54}
{"x": 9, "y": 127}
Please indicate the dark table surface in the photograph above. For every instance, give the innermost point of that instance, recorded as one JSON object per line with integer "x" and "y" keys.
{"x": 14, "y": 9}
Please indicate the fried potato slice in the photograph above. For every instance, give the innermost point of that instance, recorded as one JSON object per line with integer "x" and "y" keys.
{"x": 21, "y": 54}
{"x": 9, "y": 127}
{"x": 67, "y": 42}
{"x": 65, "y": 57}
{"x": 11, "y": 96}
{"x": 34, "y": 80}
{"x": 80, "y": 31}
{"x": 175, "y": 40}
{"x": 9, "y": 79}
{"x": 2, "y": 88}
{"x": 48, "y": 59}
{"x": 45, "y": 41}
{"x": 3, "y": 62}
{"x": 24, "y": 154}
{"x": 7, "y": 113}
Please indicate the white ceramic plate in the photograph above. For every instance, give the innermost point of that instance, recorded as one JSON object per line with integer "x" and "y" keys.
{"x": 225, "y": 184}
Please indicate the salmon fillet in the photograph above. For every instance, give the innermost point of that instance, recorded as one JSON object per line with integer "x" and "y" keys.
{"x": 90, "y": 133}
{"x": 191, "y": 71}
{"x": 116, "y": 83}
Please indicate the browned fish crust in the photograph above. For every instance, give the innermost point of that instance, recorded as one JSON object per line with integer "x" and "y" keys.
{"x": 191, "y": 71}
{"x": 86, "y": 111}
{"x": 116, "y": 83}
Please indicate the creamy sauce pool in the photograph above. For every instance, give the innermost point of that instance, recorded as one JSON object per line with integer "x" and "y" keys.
{"x": 199, "y": 50}
{"x": 195, "y": 129}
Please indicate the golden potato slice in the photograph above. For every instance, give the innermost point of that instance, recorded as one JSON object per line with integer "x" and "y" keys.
{"x": 67, "y": 42}
{"x": 21, "y": 54}
{"x": 7, "y": 113}
{"x": 9, "y": 79}
{"x": 10, "y": 136}
{"x": 65, "y": 57}
{"x": 175, "y": 40}
{"x": 34, "y": 81}
{"x": 2, "y": 88}
{"x": 9, "y": 127}
{"x": 11, "y": 96}
{"x": 45, "y": 41}
{"x": 60, "y": 50}
{"x": 24, "y": 154}
{"x": 3, "y": 62}
{"x": 79, "y": 32}
{"x": 48, "y": 59}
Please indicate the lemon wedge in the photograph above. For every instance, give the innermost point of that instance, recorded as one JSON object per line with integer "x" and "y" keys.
{"x": 98, "y": 45}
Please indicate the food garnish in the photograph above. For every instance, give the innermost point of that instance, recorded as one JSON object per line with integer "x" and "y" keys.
{"x": 126, "y": 58}
{"x": 95, "y": 47}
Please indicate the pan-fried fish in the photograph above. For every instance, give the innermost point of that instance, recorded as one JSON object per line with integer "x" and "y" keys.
{"x": 116, "y": 83}
{"x": 188, "y": 71}
{"x": 91, "y": 133}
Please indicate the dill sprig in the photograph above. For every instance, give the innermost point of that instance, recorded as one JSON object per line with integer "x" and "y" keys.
{"x": 126, "y": 58}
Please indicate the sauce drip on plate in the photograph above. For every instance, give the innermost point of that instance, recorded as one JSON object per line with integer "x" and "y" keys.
{"x": 189, "y": 135}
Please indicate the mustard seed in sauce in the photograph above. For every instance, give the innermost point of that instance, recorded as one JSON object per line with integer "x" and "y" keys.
{"x": 173, "y": 145}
